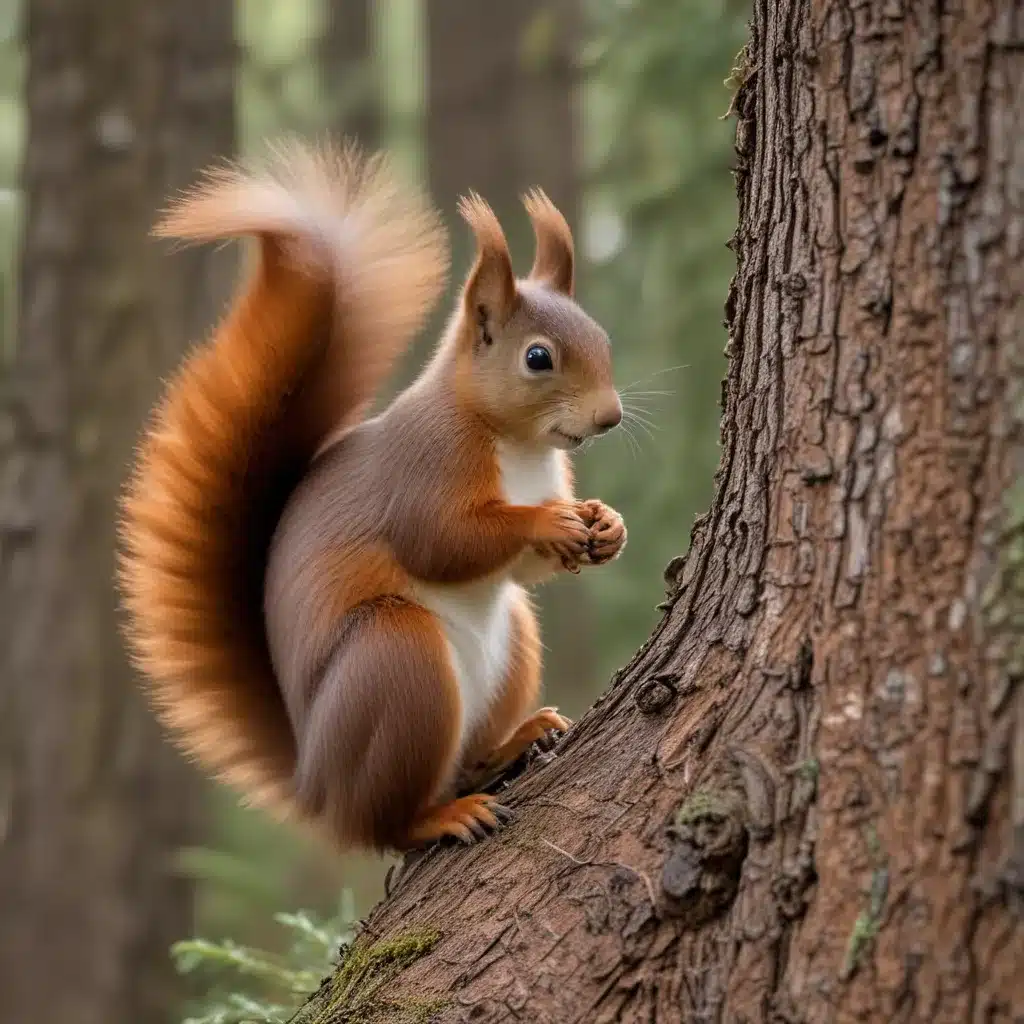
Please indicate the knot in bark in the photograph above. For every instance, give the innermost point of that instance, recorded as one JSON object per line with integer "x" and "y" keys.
{"x": 708, "y": 845}
{"x": 654, "y": 695}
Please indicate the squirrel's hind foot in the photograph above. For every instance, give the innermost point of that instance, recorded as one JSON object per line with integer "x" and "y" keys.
{"x": 468, "y": 818}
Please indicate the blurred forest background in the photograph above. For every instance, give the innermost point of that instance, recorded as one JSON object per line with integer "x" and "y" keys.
{"x": 615, "y": 107}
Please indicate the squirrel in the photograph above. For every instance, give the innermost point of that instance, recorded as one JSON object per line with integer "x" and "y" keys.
{"x": 329, "y": 607}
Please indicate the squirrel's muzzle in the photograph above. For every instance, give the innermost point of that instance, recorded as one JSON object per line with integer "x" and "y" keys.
{"x": 608, "y": 413}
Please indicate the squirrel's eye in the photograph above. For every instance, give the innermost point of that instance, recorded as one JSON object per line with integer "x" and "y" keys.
{"x": 538, "y": 359}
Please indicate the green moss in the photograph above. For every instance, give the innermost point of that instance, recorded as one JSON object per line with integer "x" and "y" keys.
{"x": 741, "y": 70}
{"x": 865, "y": 928}
{"x": 874, "y": 844}
{"x": 355, "y": 994}
{"x": 702, "y": 803}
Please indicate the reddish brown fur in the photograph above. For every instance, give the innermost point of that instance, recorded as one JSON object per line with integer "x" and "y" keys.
{"x": 318, "y": 326}
{"x": 380, "y": 735}
{"x": 554, "y": 262}
{"x": 337, "y": 696}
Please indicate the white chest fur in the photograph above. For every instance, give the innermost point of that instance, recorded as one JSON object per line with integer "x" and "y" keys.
{"x": 477, "y": 617}
{"x": 531, "y": 475}
{"x": 477, "y": 622}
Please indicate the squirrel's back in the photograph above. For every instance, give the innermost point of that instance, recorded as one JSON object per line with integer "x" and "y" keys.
{"x": 348, "y": 265}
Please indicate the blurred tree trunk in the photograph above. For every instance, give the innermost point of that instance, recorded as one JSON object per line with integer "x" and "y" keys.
{"x": 502, "y": 118}
{"x": 346, "y": 62}
{"x": 125, "y": 99}
{"x": 501, "y": 102}
{"x": 803, "y": 801}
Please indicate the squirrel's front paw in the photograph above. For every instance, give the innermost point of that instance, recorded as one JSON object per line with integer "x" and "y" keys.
{"x": 607, "y": 530}
{"x": 561, "y": 531}
{"x": 558, "y": 553}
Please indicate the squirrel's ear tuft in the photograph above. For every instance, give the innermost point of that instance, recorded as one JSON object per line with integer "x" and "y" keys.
{"x": 553, "y": 263}
{"x": 491, "y": 285}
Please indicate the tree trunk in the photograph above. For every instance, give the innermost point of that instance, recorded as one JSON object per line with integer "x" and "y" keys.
{"x": 500, "y": 107}
{"x": 346, "y": 62}
{"x": 125, "y": 99}
{"x": 803, "y": 801}
{"x": 501, "y": 119}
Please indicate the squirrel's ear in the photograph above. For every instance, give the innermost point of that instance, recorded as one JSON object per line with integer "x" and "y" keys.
{"x": 491, "y": 285}
{"x": 553, "y": 263}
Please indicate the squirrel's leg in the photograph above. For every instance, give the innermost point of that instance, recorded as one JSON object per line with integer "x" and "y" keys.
{"x": 380, "y": 739}
{"x": 485, "y": 538}
{"x": 511, "y": 727}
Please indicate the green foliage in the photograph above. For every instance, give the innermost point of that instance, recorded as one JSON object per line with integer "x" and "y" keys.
{"x": 660, "y": 207}
{"x": 256, "y": 985}
{"x": 279, "y": 87}
{"x": 12, "y": 70}
{"x": 282, "y": 86}
{"x": 249, "y": 867}
{"x": 12, "y": 129}
{"x": 350, "y": 980}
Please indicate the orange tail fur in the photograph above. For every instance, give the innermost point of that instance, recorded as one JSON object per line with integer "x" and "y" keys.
{"x": 349, "y": 264}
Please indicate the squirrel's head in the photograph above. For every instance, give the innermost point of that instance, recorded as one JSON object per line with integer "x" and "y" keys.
{"x": 533, "y": 362}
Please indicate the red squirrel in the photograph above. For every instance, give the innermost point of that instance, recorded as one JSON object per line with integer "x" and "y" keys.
{"x": 330, "y": 608}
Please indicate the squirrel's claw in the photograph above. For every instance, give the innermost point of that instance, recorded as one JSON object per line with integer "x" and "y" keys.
{"x": 467, "y": 818}
{"x": 549, "y": 739}
{"x": 503, "y": 814}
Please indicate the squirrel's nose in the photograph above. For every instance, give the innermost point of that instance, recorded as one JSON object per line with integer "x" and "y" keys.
{"x": 609, "y": 416}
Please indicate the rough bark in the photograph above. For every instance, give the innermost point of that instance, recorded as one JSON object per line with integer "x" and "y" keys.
{"x": 501, "y": 119}
{"x": 803, "y": 801}
{"x": 124, "y": 100}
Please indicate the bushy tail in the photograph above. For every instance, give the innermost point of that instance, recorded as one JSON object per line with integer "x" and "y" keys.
{"x": 349, "y": 263}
